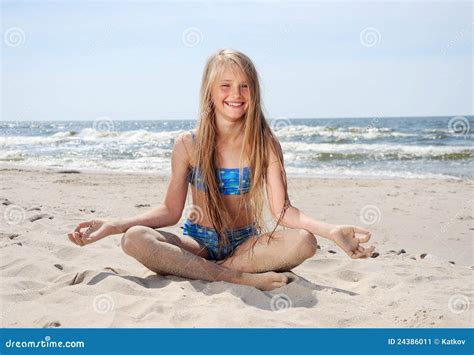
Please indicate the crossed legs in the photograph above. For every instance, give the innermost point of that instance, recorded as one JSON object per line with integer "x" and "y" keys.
{"x": 168, "y": 254}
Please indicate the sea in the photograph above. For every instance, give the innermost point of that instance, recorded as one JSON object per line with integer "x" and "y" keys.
{"x": 365, "y": 148}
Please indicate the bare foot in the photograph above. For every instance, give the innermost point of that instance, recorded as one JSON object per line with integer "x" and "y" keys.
{"x": 265, "y": 281}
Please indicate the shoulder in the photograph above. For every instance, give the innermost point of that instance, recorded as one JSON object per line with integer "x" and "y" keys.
{"x": 183, "y": 145}
{"x": 185, "y": 138}
{"x": 274, "y": 150}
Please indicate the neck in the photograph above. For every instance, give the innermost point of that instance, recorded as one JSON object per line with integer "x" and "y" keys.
{"x": 229, "y": 131}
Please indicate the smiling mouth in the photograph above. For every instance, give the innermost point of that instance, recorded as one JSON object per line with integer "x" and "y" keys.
{"x": 234, "y": 104}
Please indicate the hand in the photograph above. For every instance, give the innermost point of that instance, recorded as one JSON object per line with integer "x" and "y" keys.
{"x": 345, "y": 238}
{"x": 95, "y": 230}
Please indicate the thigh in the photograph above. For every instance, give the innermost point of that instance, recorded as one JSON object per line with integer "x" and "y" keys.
{"x": 182, "y": 241}
{"x": 261, "y": 253}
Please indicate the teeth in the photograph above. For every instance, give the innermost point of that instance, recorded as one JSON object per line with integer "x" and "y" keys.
{"x": 234, "y": 104}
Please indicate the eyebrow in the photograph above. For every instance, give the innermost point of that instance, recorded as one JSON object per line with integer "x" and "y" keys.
{"x": 231, "y": 80}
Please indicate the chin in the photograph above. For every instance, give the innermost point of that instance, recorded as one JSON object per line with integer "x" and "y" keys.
{"x": 237, "y": 117}
{"x": 234, "y": 115}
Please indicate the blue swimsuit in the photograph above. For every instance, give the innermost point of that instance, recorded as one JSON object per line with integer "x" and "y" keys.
{"x": 229, "y": 184}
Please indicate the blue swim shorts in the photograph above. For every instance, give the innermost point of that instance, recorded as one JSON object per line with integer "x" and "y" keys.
{"x": 208, "y": 238}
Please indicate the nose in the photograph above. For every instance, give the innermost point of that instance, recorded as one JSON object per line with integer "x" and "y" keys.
{"x": 236, "y": 89}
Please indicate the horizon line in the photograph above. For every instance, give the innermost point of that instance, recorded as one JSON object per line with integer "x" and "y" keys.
{"x": 273, "y": 118}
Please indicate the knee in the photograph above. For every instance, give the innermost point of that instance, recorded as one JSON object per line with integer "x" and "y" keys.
{"x": 306, "y": 243}
{"x": 131, "y": 239}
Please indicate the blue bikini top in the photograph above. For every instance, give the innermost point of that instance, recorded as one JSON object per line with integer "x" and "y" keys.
{"x": 228, "y": 179}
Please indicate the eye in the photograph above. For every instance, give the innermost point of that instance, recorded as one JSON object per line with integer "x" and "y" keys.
{"x": 225, "y": 86}
{"x": 245, "y": 86}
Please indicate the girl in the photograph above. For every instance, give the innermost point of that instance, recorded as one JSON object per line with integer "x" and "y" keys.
{"x": 228, "y": 160}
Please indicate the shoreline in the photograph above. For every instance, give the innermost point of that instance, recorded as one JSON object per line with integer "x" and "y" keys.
{"x": 9, "y": 167}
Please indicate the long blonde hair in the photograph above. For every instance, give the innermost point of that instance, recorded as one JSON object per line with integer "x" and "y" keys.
{"x": 258, "y": 139}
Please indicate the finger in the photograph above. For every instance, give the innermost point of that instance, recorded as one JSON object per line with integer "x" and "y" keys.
{"x": 77, "y": 238}
{"x": 90, "y": 239}
{"x": 357, "y": 254}
{"x": 96, "y": 236}
{"x": 365, "y": 238}
{"x": 82, "y": 225}
{"x": 354, "y": 254}
{"x": 365, "y": 253}
{"x": 370, "y": 251}
{"x": 71, "y": 238}
{"x": 87, "y": 232}
{"x": 86, "y": 241}
{"x": 361, "y": 230}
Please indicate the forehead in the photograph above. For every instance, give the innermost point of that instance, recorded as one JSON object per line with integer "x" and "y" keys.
{"x": 232, "y": 73}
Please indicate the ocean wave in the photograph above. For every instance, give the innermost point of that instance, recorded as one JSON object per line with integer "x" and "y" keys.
{"x": 91, "y": 135}
{"x": 339, "y": 133}
{"x": 384, "y": 156}
{"x": 13, "y": 156}
{"x": 64, "y": 134}
{"x": 382, "y": 151}
{"x": 355, "y": 133}
{"x": 364, "y": 173}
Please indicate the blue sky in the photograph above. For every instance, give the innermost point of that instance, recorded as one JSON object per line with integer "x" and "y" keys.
{"x": 129, "y": 60}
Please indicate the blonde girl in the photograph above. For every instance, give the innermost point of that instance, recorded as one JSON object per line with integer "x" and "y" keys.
{"x": 229, "y": 161}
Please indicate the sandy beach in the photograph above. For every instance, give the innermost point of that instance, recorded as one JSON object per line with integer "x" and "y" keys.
{"x": 422, "y": 277}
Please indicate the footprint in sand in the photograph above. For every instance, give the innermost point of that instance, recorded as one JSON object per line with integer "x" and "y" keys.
{"x": 5, "y": 201}
{"x": 350, "y": 276}
{"x": 141, "y": 205}
{"x": 52, "y": 324}
{"x": 8, "y": 235}
{"x": 33, "y": 209}
{"x": 37, "y": 217}
{"x": 87, "y": 210}
{"x": 324, "y": 264}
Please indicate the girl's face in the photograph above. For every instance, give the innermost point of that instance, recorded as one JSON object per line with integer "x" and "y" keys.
{"x": 231, "y": 95}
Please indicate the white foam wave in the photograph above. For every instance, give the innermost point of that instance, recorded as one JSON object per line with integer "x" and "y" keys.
{"x": 339, "y": 133}
{"x": 417, "y": 150}
{"x": 91, "y": 135}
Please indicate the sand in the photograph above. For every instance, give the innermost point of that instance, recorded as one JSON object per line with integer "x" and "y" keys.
{"x": 46, "y": 281}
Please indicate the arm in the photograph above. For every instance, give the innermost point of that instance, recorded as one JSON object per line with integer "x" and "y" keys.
{"x": 166, "y": 214}
{"x": 343, "y": 235}
{"x": 169, "y": 212}
{"x": 293, "y": 218}
{"x": 296, "y": 219}
{"x": 158, "y": 217}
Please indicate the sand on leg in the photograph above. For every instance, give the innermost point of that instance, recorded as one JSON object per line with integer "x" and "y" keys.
{"x": 158, "y": 253}
{"x": 284, "y": 251}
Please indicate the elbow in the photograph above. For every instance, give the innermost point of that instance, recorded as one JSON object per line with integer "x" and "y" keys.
{"x": 175, "y": 221}
{"x": 171, "y": 217}
{"x": 279, "y": 218}
{"x": 283, "y": 218}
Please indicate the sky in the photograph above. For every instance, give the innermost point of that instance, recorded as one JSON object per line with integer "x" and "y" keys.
{"x": 143, "y": 60}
